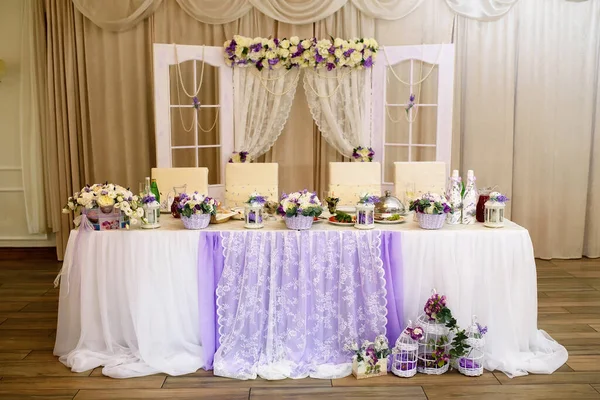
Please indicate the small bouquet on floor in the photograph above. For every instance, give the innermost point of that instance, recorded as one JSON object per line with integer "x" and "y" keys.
{"x": 371, "y": 359}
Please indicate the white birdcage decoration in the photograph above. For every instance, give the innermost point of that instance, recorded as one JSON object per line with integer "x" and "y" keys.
{"x": 365, "y": 216}
{"x": 254, "y": 216}
{"x": 404, "y": 353}
{"x": 151, "y": 209}
{"x": 471, "y": 364}
{"x": 434, "y": 346}
{"x": 493, "y": 216}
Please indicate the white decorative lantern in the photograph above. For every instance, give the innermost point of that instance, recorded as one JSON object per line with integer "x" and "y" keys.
{"x": 254, "y": 216}
{"x": 471, "y": 364}
{"x": 365, "y": 216}
{"x": 151, "y": 215}
{"x": 493, "y": 215}
{"x": 404, "y": 354}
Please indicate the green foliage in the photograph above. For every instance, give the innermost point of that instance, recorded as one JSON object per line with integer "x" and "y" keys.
{"x": 343, "y": 217}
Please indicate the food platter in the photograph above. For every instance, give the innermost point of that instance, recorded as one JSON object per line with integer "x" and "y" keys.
{"x": 401, "y": 219}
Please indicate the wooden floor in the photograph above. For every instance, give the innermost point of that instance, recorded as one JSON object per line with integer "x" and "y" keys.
{"x": 569, "y": 309}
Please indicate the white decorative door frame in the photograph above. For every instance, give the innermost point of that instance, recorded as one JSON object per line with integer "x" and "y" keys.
{"x": 432, "y": 54}
{"x": 164, "y": 57}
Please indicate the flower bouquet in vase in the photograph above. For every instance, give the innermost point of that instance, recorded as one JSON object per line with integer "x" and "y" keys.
{"x": 371, "y": 359}
{"x": 105, "y": 206}
{"x": 299, "y": 209}
{"x": 196, "y": 210}
{"x": 431, "y": 210}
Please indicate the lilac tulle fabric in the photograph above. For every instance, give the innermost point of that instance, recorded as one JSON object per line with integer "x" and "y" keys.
{"x": 334, "y": 277}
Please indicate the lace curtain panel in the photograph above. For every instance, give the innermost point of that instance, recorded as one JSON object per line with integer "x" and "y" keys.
{"x": 287, "y": 302}
{"x": 340, "y": 104}
{"x": 262, "y": 101}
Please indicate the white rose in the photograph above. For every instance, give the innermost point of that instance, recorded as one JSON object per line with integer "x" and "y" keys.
{"x": 338, "y": 42}
{"x": 293, "y": 49}
{"x": 239, "y": 51}
{"x": 306, "y": 55}
{"x": 368, "y": 53}
{"x": 284, "y": 43}
{"x": 271, "y": 44}
{"x": 257, "y": 40}
{"x": 271, "y": 55}
{"x": 338, "y": 53}
{"x": 359, "y": 46}
{"x": 254, "y": 56}
{"x": 306, "y": 44}
{"x": 356, "y": 57}
{"x": 284, "y": 53}
{"x": 294, "y": 40}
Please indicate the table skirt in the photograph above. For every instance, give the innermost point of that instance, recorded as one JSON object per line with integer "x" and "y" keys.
{"x": 140, "y": 303}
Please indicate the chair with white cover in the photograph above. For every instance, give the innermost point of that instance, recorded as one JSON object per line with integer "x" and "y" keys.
{"x": 412, "y": 179}
{"x": 242, "y": 179}
{"x": 348, "y": 180}
{"x": 194, "y": 179}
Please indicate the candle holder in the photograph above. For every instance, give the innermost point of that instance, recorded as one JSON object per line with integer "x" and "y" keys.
{"x": 254, "y": 216}
{"x": 365, "y": 216}
{"x": 494, "y": 210}
{"x": 151, "y": 215}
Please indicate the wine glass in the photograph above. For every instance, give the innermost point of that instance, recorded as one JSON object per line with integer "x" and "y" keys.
{"x": 271, "y": 209}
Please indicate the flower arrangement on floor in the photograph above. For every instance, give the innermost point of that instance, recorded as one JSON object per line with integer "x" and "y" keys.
{"x": 196, "y": 210}
{"x": 295, "y": 52}
{"x": 363, "y": 154}
{"x": 404, "y": 354}
{"x": 299, "y": 209}
{"x": 471, "y": 363}
{"x": 253, "y": 211}
{"x": 435, "y": 350}
{"x": 371, "y": 358}
{"x": 431, "y": 210}
{"x": 239, "y": 157}
{"x": 106, "y": 206}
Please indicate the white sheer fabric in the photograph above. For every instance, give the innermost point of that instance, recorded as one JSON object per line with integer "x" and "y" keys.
{"x": 481, "y": 10}
{"x": 262, "y": 102}
{"x": 340, "y": 104}
{"x": 117, "y": 15}
{"x": 129, "y": 302}
{"x": 289, "y": 301}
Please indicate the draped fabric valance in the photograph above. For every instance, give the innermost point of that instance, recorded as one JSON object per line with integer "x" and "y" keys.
{"x": 121, "y": 15}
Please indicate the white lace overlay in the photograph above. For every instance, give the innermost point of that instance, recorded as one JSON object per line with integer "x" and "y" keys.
{"x": 262, "y": 101}
{"x": 287, "y": 302}
{"x": 340, "y": 104}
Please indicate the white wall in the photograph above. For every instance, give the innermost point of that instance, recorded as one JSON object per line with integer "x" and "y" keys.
{"x": 13, "y": 227}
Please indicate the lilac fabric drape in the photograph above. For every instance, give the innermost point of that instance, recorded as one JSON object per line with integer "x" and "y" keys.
{"x": 210, "y": 268}
{"x": 391, "y": 255}
{"x": 211, "y": 263}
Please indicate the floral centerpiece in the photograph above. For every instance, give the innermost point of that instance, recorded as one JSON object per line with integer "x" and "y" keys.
{"x": 239, "y": 157}
{"x": 253, "y": 211}
{"x": 371, "y": 358}
{"x": 363, "y": 154}
{"x": 106, "y": 206}
{"x": 299, "y": 209}
{"x": 196, "y": 210}
{"x": 431, "y": 209}
{"x": 296, "y": 52}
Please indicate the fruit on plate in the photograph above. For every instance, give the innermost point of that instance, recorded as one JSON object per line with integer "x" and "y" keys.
{"x": 341, "y": 217}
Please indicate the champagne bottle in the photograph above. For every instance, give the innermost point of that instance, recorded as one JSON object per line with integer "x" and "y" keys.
{"x": 154, "y": 190}
{"x": 454, "y": 198}
{"x": 470, "y": 200}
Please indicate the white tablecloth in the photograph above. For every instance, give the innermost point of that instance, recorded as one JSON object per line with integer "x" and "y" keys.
{"x": 130, "y": 302}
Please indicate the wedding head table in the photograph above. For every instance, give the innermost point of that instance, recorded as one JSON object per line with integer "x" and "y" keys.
{"x": 278, "y": 303}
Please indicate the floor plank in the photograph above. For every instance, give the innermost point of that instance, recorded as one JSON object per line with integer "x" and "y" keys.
{"x": 584, "y": 363}
{"x": 216, "y": 382}
{"x": 555, "y": 378}
{"x": 22, "y": 394}
{"x": 335, "y": 393}
{"x": 179, "y": 394}
{"x": 449, "y": 378}
{"x": 83, "y": 382}
{"x": 37, "y": 369}
{"x": 13, "y": 355}
{"x": 512, "y": 392}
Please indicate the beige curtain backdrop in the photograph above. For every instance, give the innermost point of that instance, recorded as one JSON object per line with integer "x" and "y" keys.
{"x": 525, "y": 99}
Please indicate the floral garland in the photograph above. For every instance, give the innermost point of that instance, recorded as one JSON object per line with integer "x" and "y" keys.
{"x": 240, "y": 157}
{"x": 295, "y": 52}
{"x": 363, "y": 154}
